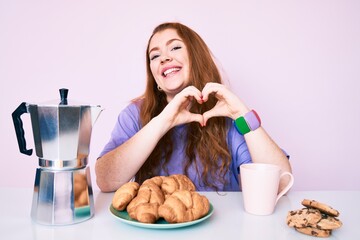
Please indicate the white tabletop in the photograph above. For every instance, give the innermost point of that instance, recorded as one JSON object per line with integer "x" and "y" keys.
{"x": 229, "y": 220}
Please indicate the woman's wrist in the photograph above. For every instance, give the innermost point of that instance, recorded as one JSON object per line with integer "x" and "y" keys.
{"x": 241, "y": 111}
{"x": 248, "y": 122}
{"x": 162, "y": 123}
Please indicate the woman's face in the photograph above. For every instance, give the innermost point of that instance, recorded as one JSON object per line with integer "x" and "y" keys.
{"x": 169, "y": 62}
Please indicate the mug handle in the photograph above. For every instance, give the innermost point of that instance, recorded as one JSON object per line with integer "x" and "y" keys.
{"x": 287, "y": 187}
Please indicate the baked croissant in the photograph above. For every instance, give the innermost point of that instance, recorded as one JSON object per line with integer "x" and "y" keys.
{"x": 158, "y": 180}
{"x": 176, "y": 182}
{"x": 184, "y": 206}
{"x": 145, "y": 212}
{"x": 124, "y": 195}
{"x": 144, "y": 206}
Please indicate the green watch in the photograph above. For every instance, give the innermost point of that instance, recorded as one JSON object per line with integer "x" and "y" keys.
{"x": 242, "y": 126}
{"x": 249, "y": 122}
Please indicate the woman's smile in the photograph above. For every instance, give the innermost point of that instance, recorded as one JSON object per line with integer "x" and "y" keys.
{"x": 170, "y": 71}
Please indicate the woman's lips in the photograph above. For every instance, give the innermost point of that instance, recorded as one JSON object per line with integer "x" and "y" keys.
{"x": 170, "y": 70}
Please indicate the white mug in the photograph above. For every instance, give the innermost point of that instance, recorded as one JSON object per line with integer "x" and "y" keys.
{"x": 260, "y": 185}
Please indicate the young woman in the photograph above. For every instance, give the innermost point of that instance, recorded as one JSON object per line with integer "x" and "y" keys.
{"x": 186, "y": 122}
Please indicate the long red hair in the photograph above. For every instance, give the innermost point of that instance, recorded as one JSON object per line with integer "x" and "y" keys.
{"x": 208, "y": 143}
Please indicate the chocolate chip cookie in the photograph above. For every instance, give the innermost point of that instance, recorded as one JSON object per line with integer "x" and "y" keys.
{"x": 303, "y": 218}
{"x": 314, "y": 231}
{"x": 328, "y": 223}
{"x": 324, "y": 208}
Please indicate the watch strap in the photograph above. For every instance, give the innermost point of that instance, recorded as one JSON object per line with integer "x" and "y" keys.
{"x": 253, "y": 120}
{"x": 241, "y": 125}
{"x": 249, "y": 122}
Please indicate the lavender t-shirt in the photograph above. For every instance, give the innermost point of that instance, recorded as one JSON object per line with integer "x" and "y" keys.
{"x": 128, "y": 124}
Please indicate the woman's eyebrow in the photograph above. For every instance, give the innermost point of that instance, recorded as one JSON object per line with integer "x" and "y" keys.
{"x": 167, "y": 44}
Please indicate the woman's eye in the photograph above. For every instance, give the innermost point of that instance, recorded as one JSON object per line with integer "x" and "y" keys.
{"x": 176, "y": 48}
{"x": 154, "y": 57}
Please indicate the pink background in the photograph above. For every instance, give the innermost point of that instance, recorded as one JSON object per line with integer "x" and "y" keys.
{"x": 296, "y": 62}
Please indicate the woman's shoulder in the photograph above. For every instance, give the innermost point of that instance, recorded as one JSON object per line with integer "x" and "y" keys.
{"x": 133, "y": 107}
{"x": 130, "y": 113}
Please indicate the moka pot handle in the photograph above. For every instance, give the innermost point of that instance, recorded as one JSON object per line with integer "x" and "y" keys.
{"x": 18, "y": 124}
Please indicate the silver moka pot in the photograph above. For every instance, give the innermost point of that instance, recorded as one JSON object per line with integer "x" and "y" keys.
{"x": 62, "y": 131}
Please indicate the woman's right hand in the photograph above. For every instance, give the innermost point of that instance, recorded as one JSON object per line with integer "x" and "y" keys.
{"x": 177, "y": 111}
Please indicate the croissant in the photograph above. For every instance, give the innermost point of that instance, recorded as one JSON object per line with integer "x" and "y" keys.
{"x": 145, "y": 212}
{"x": 184, "y": 206}
{"x": 124, "y": 195}
{"x": 176, "y": 182}
{"x": 144, "y": 206}
{"x": 158, "y": 180}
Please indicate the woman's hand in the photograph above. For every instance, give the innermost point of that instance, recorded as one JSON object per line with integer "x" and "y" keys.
{"x": 228, "y": 103}
{"x": 177, "y": 111}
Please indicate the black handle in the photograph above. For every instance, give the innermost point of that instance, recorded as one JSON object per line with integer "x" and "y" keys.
{"x": 18, "y": 124}
{"x": 63, "y": 96}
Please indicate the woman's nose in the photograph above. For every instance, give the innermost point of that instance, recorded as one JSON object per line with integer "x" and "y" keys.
{"x": 165, "y": 59}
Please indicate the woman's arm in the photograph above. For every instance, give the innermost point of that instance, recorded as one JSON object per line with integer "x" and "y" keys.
{"x": 261, "y": 147}
{"x": 118, "y": 166}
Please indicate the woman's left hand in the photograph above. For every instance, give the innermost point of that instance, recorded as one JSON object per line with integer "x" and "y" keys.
{"x": 228, "y": 103}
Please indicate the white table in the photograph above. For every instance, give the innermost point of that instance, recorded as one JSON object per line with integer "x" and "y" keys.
{"x": 229, "y": 220}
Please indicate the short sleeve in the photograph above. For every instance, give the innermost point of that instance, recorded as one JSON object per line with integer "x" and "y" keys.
{"x": 239, "y": 150}
{"x": 127, "y": 125}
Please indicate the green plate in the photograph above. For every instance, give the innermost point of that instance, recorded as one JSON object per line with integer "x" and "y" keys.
{"x": 160, "y": 224}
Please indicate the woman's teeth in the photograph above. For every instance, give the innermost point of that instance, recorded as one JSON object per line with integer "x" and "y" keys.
{"x": 170, "y": 70}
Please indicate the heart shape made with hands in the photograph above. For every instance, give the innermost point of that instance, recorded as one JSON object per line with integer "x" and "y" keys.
{"x": 212, "y": 112}
{"x": 227, "y": 104}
